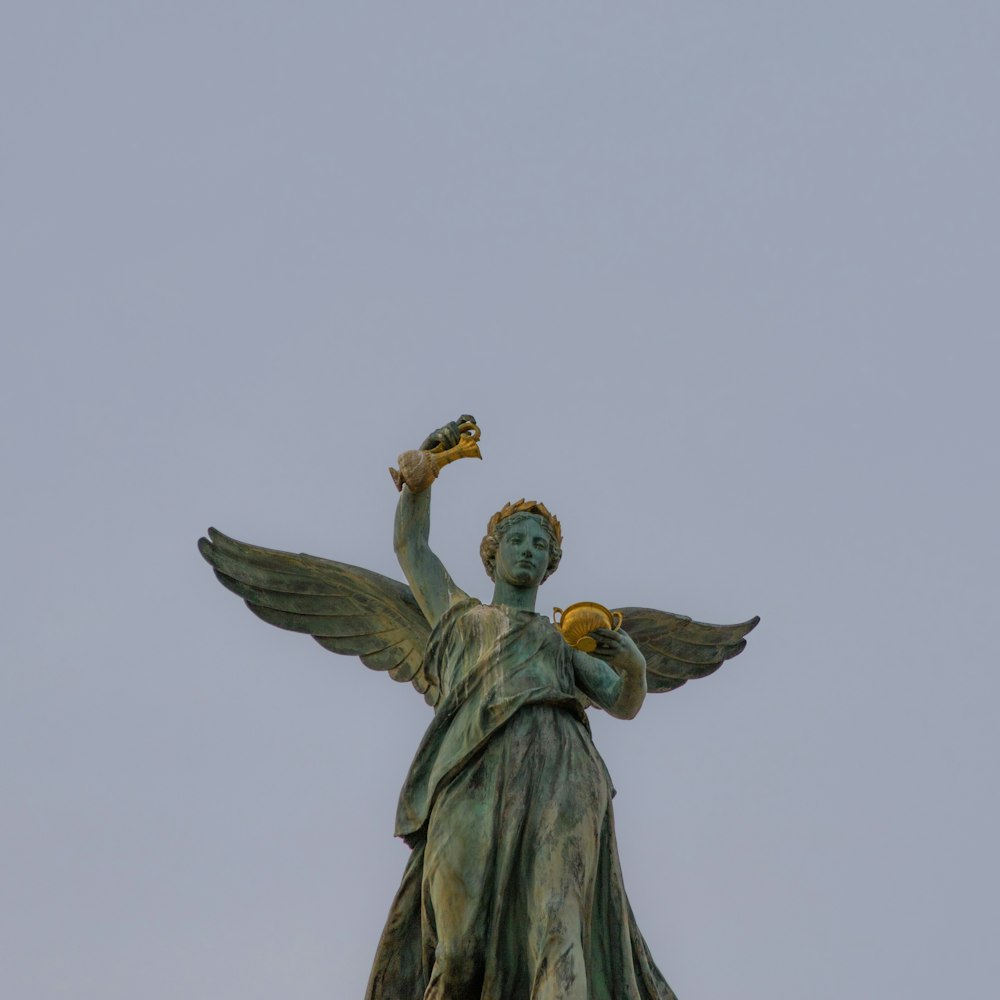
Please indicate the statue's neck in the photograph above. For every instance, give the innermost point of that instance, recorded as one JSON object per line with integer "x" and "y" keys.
{"x": 522, "y": 598}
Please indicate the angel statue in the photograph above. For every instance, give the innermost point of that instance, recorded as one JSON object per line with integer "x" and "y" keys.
{"x": 513, "y": 888}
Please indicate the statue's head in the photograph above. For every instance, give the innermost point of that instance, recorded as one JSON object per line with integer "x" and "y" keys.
{"x": 523, "y": 513}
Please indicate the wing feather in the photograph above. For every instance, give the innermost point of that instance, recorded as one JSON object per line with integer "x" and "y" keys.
{"x": 347, "y": 609}
{"x": 678, "y": 649}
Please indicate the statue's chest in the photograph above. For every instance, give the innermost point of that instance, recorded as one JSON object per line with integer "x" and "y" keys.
{"x": 507, "y": 648}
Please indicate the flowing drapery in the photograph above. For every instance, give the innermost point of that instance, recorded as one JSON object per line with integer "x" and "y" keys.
{"x": 513, "y": 889}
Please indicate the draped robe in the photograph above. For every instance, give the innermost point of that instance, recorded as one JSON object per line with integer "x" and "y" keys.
{"x": 513, "y": 889}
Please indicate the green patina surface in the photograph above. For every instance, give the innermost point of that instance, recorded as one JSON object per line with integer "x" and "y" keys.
{"x": 513, "y": 888}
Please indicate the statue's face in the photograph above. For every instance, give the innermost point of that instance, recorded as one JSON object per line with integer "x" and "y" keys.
{"x": 523, "y": 553}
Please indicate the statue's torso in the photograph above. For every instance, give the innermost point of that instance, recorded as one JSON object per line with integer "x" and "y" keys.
{"x": 512, "y": 651}
{"x": 490, "y": 661}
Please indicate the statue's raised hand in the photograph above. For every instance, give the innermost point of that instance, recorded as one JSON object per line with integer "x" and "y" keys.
{"x": 418, "y": 469}
{"x": 448, "y": 436}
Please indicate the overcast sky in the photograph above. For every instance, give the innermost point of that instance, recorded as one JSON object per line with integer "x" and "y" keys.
{"x": 719, "y": 282}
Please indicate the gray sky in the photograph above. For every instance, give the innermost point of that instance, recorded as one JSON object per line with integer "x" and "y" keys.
{"x": 718, "y": 280}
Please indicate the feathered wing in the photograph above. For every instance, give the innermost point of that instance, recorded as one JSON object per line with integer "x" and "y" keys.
{"x": 678, "y": 649}
{"x": 346, "y": 609}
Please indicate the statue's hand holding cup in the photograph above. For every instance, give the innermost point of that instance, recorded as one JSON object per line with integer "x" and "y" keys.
{"x": 418, "y": 469}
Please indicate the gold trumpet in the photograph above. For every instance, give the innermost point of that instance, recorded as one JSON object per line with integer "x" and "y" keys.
{"x": 418, "y": 469}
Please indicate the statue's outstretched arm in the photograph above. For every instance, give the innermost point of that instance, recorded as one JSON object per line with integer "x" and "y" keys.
{"x": 430, "y": 582}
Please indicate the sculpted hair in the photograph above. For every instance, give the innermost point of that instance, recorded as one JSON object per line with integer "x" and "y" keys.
{"x": 508, "y": 516}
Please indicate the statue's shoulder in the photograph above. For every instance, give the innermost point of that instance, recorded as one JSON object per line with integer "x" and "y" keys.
{"x": 458, "y": 611}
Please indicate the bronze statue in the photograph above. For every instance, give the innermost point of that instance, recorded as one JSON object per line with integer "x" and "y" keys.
{"x": 513, "y": 887}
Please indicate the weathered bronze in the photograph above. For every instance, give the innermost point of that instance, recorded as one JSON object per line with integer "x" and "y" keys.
{"x": 513, "y": 887}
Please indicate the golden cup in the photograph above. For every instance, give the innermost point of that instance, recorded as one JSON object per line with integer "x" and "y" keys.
{"x": 578, "y": 620}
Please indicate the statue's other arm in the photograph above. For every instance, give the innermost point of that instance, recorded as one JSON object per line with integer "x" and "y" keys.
{"x": 430, "y": 582}
{"x": 614, "y": 676}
